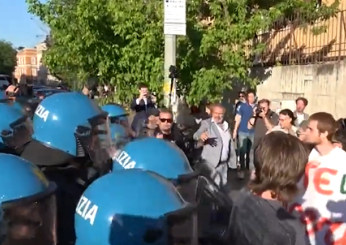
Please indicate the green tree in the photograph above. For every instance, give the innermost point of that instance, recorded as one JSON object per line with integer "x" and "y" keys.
{"x": 8, "y": 59}
{"x": 122, "y": 41}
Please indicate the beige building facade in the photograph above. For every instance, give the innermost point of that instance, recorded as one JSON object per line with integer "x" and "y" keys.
{"x": 26, "y": 64}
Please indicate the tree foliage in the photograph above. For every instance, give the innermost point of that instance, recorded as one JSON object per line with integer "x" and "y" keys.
{"x": 8, "y": 60}
{"x": 122, "y": 41}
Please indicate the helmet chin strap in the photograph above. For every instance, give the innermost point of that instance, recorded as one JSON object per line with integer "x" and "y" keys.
{"x": 12, "y": 151}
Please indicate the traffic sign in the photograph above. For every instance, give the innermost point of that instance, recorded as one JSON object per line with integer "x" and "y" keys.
{"x": 175, "y": 29}
{"x": 174, "y": 17}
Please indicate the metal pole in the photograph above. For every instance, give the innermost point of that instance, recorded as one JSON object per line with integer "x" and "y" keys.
{"x": 170, "y": 59}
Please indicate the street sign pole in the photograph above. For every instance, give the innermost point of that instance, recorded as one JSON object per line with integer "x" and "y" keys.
{"x": 174, "y": 25}
{"x": 170, "y": 60}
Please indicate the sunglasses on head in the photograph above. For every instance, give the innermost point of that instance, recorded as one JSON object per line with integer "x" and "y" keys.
{"x": 168, "y": 120}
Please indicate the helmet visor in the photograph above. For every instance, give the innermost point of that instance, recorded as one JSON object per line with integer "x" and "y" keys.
{"x": 30, "y": 221}
{"x": 96, "y": 141}
{"x": 213, "y": 205}
{"x": 183, "y": 226}
{"x": 20, "y": 133}
{"x": 121, "y": 119}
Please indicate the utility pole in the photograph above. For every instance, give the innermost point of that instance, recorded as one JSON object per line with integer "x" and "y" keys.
{"x": 174, "y": 24}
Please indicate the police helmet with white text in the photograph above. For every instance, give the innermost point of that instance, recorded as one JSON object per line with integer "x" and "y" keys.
{"x": 69, "y": 125}
{"x": 155, "y": 155}
{"x": 28, "y": 208}
{"x": 167, "y": 160}
{"x": 133, "y": 207}
{"x": 15, "y": 129}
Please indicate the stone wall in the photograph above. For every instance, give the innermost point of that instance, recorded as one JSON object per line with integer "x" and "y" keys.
{"x": 324, "y": 85}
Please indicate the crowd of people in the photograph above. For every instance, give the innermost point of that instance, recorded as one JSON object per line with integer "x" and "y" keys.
{"x": 298, "y": 179}
{"x": 88, "y": 157}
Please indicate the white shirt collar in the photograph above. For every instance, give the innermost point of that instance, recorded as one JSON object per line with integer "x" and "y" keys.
{"x": 225, "y": 124}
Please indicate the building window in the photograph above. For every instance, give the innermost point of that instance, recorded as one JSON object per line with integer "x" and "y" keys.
{"x": 23, "y": 61}
{"x": 33, "y": 60}
{"x": 33, "y": 72}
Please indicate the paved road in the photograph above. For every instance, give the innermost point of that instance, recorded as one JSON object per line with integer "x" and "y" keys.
{"x": 235, "y": 183}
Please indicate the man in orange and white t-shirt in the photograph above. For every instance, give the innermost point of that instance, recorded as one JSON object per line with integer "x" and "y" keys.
{"x": 321, "y": 204}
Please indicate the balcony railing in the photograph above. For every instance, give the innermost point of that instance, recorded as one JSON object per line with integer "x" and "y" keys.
{"x": 289, "y": 44}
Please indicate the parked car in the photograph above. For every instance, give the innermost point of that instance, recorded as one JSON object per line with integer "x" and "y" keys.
{"x": 4, "y": 81}
{"x": 42, "y": 93}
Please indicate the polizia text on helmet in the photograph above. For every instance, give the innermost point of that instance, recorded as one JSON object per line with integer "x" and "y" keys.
{"x": 42, "y": 113}
{"x": 124, "y": 159}
{"x": 87, "y": 210}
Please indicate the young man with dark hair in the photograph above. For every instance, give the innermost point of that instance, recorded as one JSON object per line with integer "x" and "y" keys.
{"x": 321, "y": 203}
{"x": 259, "y": 216}
{"x": 144, "y": 101}
{"x": 244, "y": 135}
{"x": 141, "y": 105}
{"x": 241, "y": 99}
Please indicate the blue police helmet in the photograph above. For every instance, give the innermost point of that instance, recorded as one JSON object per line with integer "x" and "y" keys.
{"x": 73, "y": 125}
{"x": 128, "y": 207}
{"x": 15, "y": 127}
{"x": 27, "y": 199}
{"x": 155, "y": 155}
{"x": 115, "y": 110}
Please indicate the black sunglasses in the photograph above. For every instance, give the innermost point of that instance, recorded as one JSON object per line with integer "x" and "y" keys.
{"x": 168, "y": 120}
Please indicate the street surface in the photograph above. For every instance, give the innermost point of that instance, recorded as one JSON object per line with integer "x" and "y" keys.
{"x": 235, "y": 183}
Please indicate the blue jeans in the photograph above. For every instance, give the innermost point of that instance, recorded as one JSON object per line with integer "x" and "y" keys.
{"x": 245, "y": 142}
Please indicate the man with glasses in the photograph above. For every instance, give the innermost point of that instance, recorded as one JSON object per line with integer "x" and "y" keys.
{"x": 262, "y": 121}
{"x": 243, "y": 133}
{"x": 241, "y": 99}
{"x": 168, "y": 130}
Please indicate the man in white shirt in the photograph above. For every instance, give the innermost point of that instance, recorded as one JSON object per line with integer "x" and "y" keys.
{"x": 321, "y": 204}
{"x": 218, "y": 147}
{"x": 141, "y": 105}
{"x": 144, "y": 101}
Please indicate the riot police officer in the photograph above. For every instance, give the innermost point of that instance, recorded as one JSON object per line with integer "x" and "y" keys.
{"x": 71, "y": 143}
{"x": 134, "y": 207}
{"x": 28, "y": 208}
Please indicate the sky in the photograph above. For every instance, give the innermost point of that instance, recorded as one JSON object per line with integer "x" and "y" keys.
{"x": 17, "y": 26}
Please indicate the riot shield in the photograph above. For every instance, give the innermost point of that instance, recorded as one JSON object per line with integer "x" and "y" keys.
{"x": 213, "y": 206}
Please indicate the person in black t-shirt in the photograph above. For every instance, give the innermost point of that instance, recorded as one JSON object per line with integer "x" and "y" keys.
{"x": 168, "y": 130}
{"x": 239, "y": 101}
